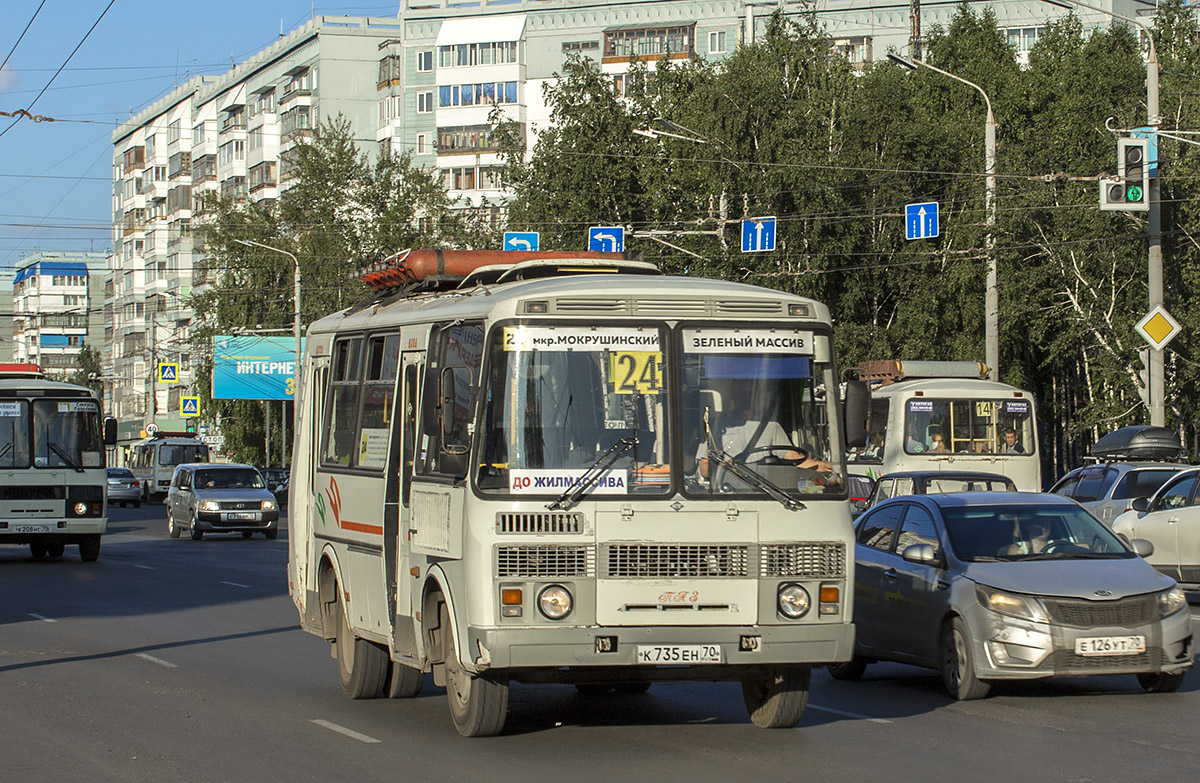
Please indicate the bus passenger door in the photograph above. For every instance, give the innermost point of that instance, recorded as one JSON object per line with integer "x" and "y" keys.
{"x": 305, "y": 454}
{"x": 396, "y": 511}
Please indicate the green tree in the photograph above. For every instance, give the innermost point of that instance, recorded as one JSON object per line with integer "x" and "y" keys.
{"x": 88, "y": 370}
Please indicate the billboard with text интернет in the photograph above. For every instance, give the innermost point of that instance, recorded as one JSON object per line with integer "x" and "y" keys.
{"x": 248, "y": 367}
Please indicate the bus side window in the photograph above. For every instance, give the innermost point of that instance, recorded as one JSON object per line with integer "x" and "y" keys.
{"x": 449, "y": 402}
{"x": 341, "y": 420}
{"x": 409, "y": 412}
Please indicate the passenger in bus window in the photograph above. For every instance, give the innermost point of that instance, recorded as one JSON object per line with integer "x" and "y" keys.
{"x": 1009, "y": 445}
{"x": 937, "y": 443}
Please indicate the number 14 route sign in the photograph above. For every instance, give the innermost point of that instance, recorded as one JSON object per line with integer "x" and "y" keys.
{"x": 921, "y": 220}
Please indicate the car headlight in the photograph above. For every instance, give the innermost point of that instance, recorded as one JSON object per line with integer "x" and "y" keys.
{"x": 210, "y": 505}
{"x": 793, "y": 601}
{"x": 1024, "y": 607}
{"x": 268, "y": 504}
{"x": 1171, "y": 601}
{"x": 554, "y": 602}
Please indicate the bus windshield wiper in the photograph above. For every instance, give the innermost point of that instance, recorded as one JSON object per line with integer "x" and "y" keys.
{"x": 744, "y": 472}
{"x": 66, "y": 457}
{"x": 590, "y": 476}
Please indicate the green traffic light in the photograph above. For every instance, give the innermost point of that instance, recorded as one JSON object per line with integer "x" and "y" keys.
{"x": 1133, "y": 193}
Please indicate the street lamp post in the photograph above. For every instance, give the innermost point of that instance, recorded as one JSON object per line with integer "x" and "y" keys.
{"x": 992, "y": 298}
{"x": 295, "y": 328}
{"x": 1157, "y": 390}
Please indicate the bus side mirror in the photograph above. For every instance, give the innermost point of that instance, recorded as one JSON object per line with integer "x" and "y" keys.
{"x": 110, "y": 431}
{"x": 454, "y": 430}
{"x": 855, "y": 408}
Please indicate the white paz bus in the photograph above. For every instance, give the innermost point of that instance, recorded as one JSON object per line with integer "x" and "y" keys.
{"x": 497, "y": 478}
{"x": 928, "y": 415}
{"x": 53, "y": 479}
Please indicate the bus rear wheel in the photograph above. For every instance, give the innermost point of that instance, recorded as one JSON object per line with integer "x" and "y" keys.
{"x": 362, "y": 665}
{"x": 478, "y": 703}
{"x": 776, "y": 696}
{"x": 89, "y": 548}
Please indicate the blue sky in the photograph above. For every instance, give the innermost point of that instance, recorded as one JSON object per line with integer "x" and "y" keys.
{"x": 55, "y": 177}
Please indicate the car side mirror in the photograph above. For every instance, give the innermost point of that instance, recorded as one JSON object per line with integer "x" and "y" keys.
{"x": 1143, "y": 547}
{"x": 919, "y": 553}
{"x": 1141, "y": 505}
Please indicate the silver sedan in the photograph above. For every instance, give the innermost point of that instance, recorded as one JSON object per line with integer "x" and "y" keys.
{"x": 124, "y": 487}
{"x": 1000, "y": 586}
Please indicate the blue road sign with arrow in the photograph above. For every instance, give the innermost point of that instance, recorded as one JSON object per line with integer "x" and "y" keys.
{"x": 921, "y": 220}
{"x": 521, "y": 240}
{"x": 758, "y": 234}
{"x": 606, "y": 239}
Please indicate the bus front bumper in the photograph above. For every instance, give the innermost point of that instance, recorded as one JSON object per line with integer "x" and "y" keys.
{"x": 50, "y": 531}
{"x": 659, "y": 649}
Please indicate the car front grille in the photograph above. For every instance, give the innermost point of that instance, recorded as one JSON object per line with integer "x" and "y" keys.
{"x": 1079, "y": 613}
{"x": 239, "y": 505}
{"x": 1066, "y": 661}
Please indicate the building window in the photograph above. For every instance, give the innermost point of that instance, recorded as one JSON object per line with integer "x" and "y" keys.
{"x": 580, "y": 46}
{"x": 419, "y": 149}
{"x": 301, "y": 82}
{"x": 173, "y": 132}
{"x": 1022, "y": 39}
{"x": 424, "y": 102}
{"x": 855, "y": 50}
{"x": 459, "y": 178}
{"x": 198, "y": 134}
{"x": 648, "y": 42}
{"x": 484, "y": 94}
{"x": 390, "y": 69}
{"x": 425, "y": 61}
{"x": 466, "y": 138}
{"x": 716, "y": 42}
{"x": 266, "y": 101}
{"x": 464, "y": 55}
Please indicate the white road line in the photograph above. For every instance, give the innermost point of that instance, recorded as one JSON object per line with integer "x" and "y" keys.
{"x": 40, "y": 617}
{"x": 159, "y": 661}
{"x": 343, "y": 730}
{"x": 148, "y": 568}
{"x": 848, "y": 714}
{"x": 235, "y": 584}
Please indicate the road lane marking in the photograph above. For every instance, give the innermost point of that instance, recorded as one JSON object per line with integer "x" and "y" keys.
{"x": 40, "y": 617}
{"x": 148, "y": 568}
{"x": 159, "y": 661}
{"x": 848, "y": 714}
{"x": 235, "y": 584}
{"x": 347, "y": 732}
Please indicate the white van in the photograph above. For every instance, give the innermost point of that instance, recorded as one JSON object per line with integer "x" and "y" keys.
{"x": 153, "y": 460}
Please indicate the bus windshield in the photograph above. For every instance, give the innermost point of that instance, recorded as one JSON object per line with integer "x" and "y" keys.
{"x": 561, "y": 398}
{"x": 66, "y": 433}
{"x": 14, "y": 434}
{"x": 968, "y": 426}
{"x": 181, "y": 453}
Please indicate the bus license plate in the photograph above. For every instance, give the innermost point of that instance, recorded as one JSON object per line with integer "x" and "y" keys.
{"x": 242, "y": 516}
{"x": 1110, "y": 645}
{"x": 31, "y": 529}
{"x": 679, "y": 653}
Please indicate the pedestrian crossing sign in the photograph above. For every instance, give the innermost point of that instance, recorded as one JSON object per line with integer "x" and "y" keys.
{"x": 168, "y": 372}
{"x": 189, "y": 406}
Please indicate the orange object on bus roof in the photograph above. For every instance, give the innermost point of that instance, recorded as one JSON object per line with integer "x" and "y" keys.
{"x": 417, "y": 265}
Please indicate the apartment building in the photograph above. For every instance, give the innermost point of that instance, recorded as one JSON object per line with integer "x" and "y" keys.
{"x": 57, "y": 306}
{"x": 6, "y": 307}
{"x": 228, "y": 134}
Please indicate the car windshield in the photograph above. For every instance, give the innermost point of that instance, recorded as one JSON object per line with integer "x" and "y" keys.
{"x": 120, "y": 473}
{"x": 229, "y": 478}
{"x": 944, "y": 485}
{"x": 1029, "y": 532}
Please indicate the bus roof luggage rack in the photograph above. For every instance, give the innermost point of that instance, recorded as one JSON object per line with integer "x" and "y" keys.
{"x": 426, "y": 270}
{"x": 1140, "y": 442}
{"x": 885, "y": 371}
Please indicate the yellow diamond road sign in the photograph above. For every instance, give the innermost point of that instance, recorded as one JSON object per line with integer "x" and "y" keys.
{"x": 1158, "y": 327}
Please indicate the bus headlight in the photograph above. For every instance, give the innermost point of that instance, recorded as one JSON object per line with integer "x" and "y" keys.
{"x": 554, "y": 602}
{"x": 210, "y": 505}
{"x": 793, "y": 601}
{"x": 81, "y": 509}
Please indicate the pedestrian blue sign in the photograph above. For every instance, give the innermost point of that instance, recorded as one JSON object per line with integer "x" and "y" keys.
{"x": 168, "y": 372}
{"x": 521, "y": 240}
{"x": 921, "y": 220}
{"x": 606, "y": 239}
{"x": 189, "y": 406}
{"x": 758, "y": 234}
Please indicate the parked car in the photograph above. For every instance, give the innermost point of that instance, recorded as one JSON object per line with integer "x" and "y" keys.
{"x": 1108, "y": 489}
{"x": 988, "y": 586}
{"x": 124, "y": 487}
{"x": 1170, "y": 520}
{"x": 220, "y": 498}
{"x": 922, "y": 482}
{"x": 277, "y": 481}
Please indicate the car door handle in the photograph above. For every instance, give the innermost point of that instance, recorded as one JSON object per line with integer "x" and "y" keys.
{"x": 942, "y": 584}
{"x": 891, "y": 574}
{"x": 1172, "y": 520}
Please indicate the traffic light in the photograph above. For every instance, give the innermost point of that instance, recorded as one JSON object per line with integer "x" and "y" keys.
{"x": 1130, "y": 191}
{"x": 191, "y": 427}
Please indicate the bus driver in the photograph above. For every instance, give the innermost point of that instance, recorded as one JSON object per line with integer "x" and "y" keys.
{"x": 742, "y": 435}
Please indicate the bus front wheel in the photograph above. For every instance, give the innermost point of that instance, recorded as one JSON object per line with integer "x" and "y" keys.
{"x": 89, "y": 548}
{"x": 478, "y": 703}
{"x": 776, "y": 696}
{"x": 362, "y": 665}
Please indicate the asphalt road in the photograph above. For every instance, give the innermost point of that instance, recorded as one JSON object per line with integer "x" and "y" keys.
{"x": 178, "y": 660}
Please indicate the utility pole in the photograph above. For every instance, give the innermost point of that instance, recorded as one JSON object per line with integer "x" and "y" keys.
{"x": 914, "y": 40}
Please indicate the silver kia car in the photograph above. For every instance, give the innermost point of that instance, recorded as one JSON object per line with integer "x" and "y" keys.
{"x": 988, "y": 586}
{"x": 220, "y": 498}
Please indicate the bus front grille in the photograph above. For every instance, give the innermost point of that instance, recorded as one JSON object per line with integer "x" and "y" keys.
{"x": 668, "y": 561}
{"x": 820, "y": 560}
{"x": 539, "y": 522}
{"x": 544, "y": 562}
